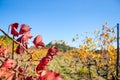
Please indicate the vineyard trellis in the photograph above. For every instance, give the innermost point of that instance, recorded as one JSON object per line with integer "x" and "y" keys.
{"x": 117, "y": 62}
{"x": 118, "y": 55}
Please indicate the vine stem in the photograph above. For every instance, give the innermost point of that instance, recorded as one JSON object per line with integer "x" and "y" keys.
{"x": 13, "y": 48}
{"x": 14, "y": 40}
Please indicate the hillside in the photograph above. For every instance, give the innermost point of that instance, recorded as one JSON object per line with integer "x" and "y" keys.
{"x": 62, "y": 45}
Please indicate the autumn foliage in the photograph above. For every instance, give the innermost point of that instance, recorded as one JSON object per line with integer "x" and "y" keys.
{"x": 11, "y": 69}
{"x": 94, "y": 59}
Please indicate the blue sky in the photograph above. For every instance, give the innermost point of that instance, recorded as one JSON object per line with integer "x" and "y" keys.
{"x": 59, "y": 19}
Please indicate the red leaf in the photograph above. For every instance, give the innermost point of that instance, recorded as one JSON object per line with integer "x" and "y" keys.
{"x": 52, "y": 51}
{"x": 20, "y": 50}
{"x": 14, "y": 27}
{"x": 24, "y": 28}
{"x": 24, "y": 38}
{"x": 43, "y": 64}
{"x": 20, "y": 69}
{"x": 14, "y": 32}
{"x": 9, "y": 63}
{"x": 6, "y": 74}
{"x": 28, "y": 35}
{"x": 38, "y": 41}
{"x": 50, "y": 75}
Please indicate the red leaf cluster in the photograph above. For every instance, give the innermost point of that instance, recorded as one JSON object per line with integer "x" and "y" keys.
{"x": 25, "y": 35}
{"x": 41, "y": 68}
{"x": 23, "y": 29}
{"x": 38, "y": 41}
{"x": 6, "y": 70}
{"x": 45, "y": 60}
{"x": 9, "y": 67}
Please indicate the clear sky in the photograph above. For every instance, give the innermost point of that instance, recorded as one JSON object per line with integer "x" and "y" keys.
{"x": 59, "y": 19}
